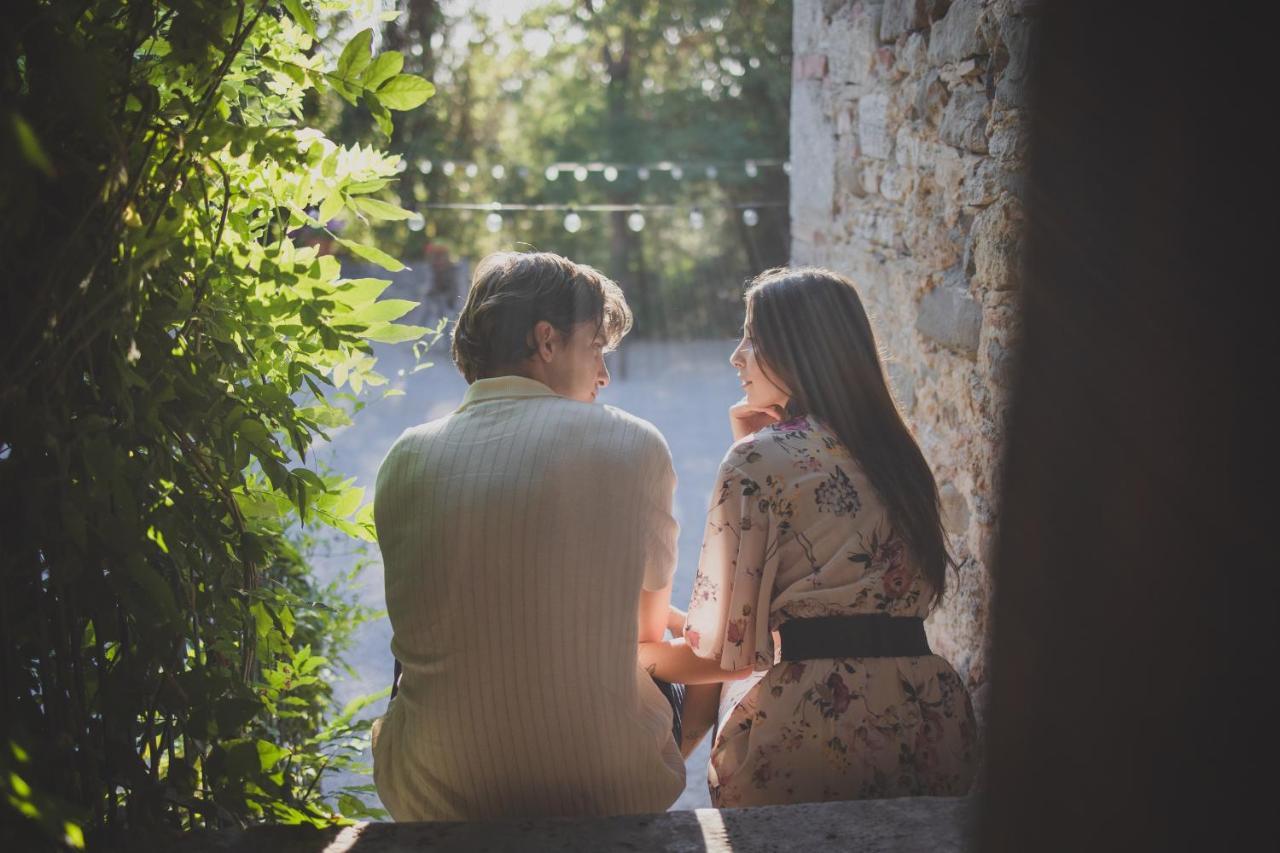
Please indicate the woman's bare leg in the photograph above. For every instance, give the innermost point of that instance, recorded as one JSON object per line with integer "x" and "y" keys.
{"x": 701, "y": 704}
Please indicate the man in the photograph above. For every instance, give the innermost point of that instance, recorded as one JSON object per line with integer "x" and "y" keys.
{"x": 528, "y": 543}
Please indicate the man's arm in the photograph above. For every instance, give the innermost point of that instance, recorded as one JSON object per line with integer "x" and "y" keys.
{"x": 654, "y": 607}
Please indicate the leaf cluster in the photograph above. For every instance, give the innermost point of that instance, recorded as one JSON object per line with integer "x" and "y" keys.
{"x": 169, "y": 355}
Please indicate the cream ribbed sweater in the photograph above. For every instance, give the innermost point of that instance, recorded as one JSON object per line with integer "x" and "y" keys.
{"x": 516, "y": 534}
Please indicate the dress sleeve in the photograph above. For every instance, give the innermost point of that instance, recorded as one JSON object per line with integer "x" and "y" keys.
{"x": 728, "y": 616}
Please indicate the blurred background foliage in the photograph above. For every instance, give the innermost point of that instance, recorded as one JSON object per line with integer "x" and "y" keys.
{"x": 694, "y": 83}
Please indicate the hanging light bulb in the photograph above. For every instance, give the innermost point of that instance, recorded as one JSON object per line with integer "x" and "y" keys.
{"x": 401, "y": 165}
{"x": 751, "y": 169}
{"x": 610, "y": 174}
{"x": 448, "y": 167}
{"x": 472, "y": 170}
{"x": 424, "y": 166}
{"x": 499, "y": 172}
{"x": 696, "y": 219}
{"x": 643, "y": 173}
{"x": 493, "y": 222}
{"x": 417, "y": 222}
{"x": 786, "y": 167}
{"x": 676, "y": 173}
{"x": 572, "y": 223}
{"x": 636, "y": 221}
{"x": 750, "y": 217}
{"x": 552, "y": 173}
{"x": 712, "y": 172}
{"x": 580, "y": 173}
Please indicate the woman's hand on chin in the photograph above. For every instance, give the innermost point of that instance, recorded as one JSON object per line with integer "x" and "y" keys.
{"x": 745, "y": 419}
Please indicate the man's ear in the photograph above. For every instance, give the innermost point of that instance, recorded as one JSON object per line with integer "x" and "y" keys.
{"x": 545, "y": 340}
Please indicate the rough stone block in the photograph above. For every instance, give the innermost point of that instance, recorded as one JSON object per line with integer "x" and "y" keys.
{"x": 874, "y": 139}
{"x": 955, "y": 509}
{"x": 1008, "y": 136}
{"x": 810, "y": 66}
{"x": 964, "y": 121}
{"x": 914, "y": 54}
{"x": 1011, "y": 86}
{"x": 895, "y": 183}
{"x": 951, "y": 317}
{"x": 902, "y": 16}
{"x": 994, "y": 250}
{"x": 931, "y": 98}
{"x": 987, "y": 179}
{"x": 957, "y": 36}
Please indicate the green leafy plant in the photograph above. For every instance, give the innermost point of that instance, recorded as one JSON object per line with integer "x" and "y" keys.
{"x": 169, "y": 357}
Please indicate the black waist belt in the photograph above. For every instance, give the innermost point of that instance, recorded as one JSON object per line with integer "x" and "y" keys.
{"x": 871, "y": 635}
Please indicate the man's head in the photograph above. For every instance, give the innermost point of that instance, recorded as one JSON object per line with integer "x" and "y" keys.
{"x": 542, "y": 316}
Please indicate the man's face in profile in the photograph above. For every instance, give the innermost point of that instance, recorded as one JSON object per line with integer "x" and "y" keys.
{"x": 577, "y": 369}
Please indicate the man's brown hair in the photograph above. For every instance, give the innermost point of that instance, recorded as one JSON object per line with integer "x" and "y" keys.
{"x": 511, "y": 292}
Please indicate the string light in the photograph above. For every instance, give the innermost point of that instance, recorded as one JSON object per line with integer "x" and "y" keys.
{"x": 643, "y": 173}
{"x": 573, "y": 222}
{"x": 751, "y": 169}
{"x": 417, "y": 222}
{"x": 424, "y": 166}
{"x": 786, "y": 167}
{"x": 499, "y": 172}
{"x": 750, "y": 217}
{"x": 696, "y": 219}
{"x": 551, "y": 173}
{"x": 472, "y": 170}
{"x": 401, "y": 165}
{"x": 580, "y": 173}
{"x": 611, "y": 173}
{"x": 493, "y": 222}
{"x": 448, "y": 167}
{"x": 712, "y": 172}
{"x": 636, "y": 221}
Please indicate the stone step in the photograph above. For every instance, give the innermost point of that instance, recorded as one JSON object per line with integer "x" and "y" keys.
{"x": 935, "y": 824}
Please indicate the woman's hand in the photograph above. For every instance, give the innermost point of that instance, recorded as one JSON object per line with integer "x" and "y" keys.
{"x": 745, "y": 419}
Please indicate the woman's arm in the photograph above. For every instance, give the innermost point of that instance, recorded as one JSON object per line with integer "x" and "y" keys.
{"x": 674, "y": 661}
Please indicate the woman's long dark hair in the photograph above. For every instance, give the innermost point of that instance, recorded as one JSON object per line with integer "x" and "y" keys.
{"x": 809, "y": 330}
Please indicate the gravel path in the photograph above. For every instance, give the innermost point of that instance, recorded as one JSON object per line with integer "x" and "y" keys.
{"x": 683, "y": 388}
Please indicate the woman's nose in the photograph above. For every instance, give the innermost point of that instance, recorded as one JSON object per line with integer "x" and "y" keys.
{"x": 602, "y": 378}
{"x": 736, "y": 359}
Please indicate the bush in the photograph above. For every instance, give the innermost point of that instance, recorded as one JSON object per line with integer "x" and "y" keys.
{"x": 169, "y": 356}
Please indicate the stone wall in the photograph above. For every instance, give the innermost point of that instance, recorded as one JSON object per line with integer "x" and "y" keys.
{"x": 908, "y": 149}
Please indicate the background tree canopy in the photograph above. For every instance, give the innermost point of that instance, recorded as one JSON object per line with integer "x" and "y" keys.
{"x": 693, "y": 82}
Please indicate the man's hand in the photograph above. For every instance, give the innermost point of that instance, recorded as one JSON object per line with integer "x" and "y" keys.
{"x": 745, "y": 419}
{"x": 675, "y": 620}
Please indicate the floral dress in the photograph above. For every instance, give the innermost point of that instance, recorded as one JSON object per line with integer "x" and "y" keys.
{"x": 795, "y": 530}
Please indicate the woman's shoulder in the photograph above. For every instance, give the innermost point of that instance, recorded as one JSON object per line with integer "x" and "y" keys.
{"x": 778, "y": 447}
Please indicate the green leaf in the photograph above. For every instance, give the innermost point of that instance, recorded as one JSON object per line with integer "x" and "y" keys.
{"x": 361, "y": 291}
{"x": 301, "y": 15}
{"x": 393, "y": 333}
{"x": 381, "y": 209}
{"x": 404, "y": 92}
{"x": 29, "y": 145}
{"x": 331, "y": 206}
{"x": 384, "y": 67}
{"x": 383, "y": 311}
{"x": 355, "y": 58}
{"x": 369, "y": 253}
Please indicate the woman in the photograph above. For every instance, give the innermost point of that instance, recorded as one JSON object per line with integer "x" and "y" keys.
{"x": 823, "y": 551}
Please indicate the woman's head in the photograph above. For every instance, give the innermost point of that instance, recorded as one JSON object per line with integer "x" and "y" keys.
{"x": 807, "y": 344}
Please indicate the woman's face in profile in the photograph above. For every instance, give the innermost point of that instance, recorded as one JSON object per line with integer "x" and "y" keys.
{"x": 762, "y": 388}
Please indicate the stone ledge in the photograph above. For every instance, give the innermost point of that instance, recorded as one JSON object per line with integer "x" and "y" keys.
{"x": 906, "y": 824}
